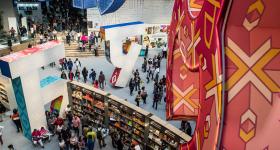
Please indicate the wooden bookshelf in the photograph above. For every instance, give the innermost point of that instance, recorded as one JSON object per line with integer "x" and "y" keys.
{"x": 136, "y": 124}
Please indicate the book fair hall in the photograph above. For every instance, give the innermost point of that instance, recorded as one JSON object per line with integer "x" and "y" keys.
{"x": 139, "y": 74}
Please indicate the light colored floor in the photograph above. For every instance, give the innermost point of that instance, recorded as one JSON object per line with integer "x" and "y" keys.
{"x": 98, "y": 64}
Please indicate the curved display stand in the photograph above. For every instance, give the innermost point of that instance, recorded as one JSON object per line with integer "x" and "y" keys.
{"x": 123, "y": 60}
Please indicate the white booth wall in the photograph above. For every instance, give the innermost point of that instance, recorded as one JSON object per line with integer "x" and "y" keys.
{"x": 49, "y": 94}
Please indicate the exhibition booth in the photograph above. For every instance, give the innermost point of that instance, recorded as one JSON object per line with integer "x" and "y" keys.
{"x": 123, "y": 43}
{"x": 122, "y": 47}
{"x": 25, "y": 90}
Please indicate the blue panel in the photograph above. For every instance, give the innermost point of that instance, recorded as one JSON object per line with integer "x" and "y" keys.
{"x": 78, "y": 4}
{"x": 109, "y": 6}
{"x": 5, "y": 68}
{"x": 18, "y": 91}
{"x": 122, "y": 24}
{"x": 48, "y": 80}
{"x": 90, "y": 3}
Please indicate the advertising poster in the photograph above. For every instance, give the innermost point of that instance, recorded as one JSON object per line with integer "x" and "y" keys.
{"x": 155, "y": 36}
{"x": 115, "y": 76}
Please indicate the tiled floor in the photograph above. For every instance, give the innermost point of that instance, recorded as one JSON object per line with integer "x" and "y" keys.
{"x": 98, "y": 64}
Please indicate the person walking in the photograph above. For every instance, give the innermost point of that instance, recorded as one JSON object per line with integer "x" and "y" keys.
{"x": 92, "y": 75}
{"x": 76, "y": 124}
{"x": 91, "y": 135}
{"x": 164, "y": 52}
{"x": 63, "y": 75}
{"x": 131, "y": 86}
{"x": 146, "y": 50}
{"x": 70, "y": 75}
{"x": 85, "y": 74}
{"x": 91, "y": 40}
{"x": 65, "y": 63}
{"x": 152, "y": 71}
{"x": 77, "y": 74}
{"x": 148, "y": 76}
{"x": 138, "y": 98}
{"x": 54, "y": 34}
{"x": 70, "y": 64}
{"x": 155, "y": 99}
{"x": 137, "y": 82}
{"x": 16, "y": 120}
{"x": 144, "y": 94}
{"x": 90, "y": 142}
{"x": 12, "y": 32}
{"x": 100, "y": 137}
{"x": 163, "y": 80}
{"x": 68, "y": 39}
{"x": 77, "y": 63}
{"x": 101, "y": 80}
{"x": 144, "y": 65}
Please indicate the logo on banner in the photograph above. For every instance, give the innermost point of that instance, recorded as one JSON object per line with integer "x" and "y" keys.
{"x": 115, "y": 76}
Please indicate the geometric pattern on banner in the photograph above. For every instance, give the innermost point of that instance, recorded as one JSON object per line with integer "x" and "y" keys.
{"x": 18, "y": 91}
{"x": 252, "y": 76}
{"x": 194, "y": 72}
{"x": 252, "y": 69}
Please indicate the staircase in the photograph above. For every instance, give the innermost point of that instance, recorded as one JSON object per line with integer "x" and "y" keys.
{"x": 74, "y": 51}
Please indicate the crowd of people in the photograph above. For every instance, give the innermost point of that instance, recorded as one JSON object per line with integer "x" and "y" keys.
{"x": 150, "y": 67}
{"x": 75, "y": 71}
{"x": 75, "y": 133}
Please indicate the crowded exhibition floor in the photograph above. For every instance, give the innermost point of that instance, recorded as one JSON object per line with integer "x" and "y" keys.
{"x": 98, "y": 64}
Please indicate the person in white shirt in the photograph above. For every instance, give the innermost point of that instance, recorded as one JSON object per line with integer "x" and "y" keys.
{"x": 157, "y": 70}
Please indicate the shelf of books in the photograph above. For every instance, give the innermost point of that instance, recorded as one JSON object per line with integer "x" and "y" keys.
{"x": 88, "y": 101}
{"x": 3, "y": 95}
{"x": 136, "y": 124}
